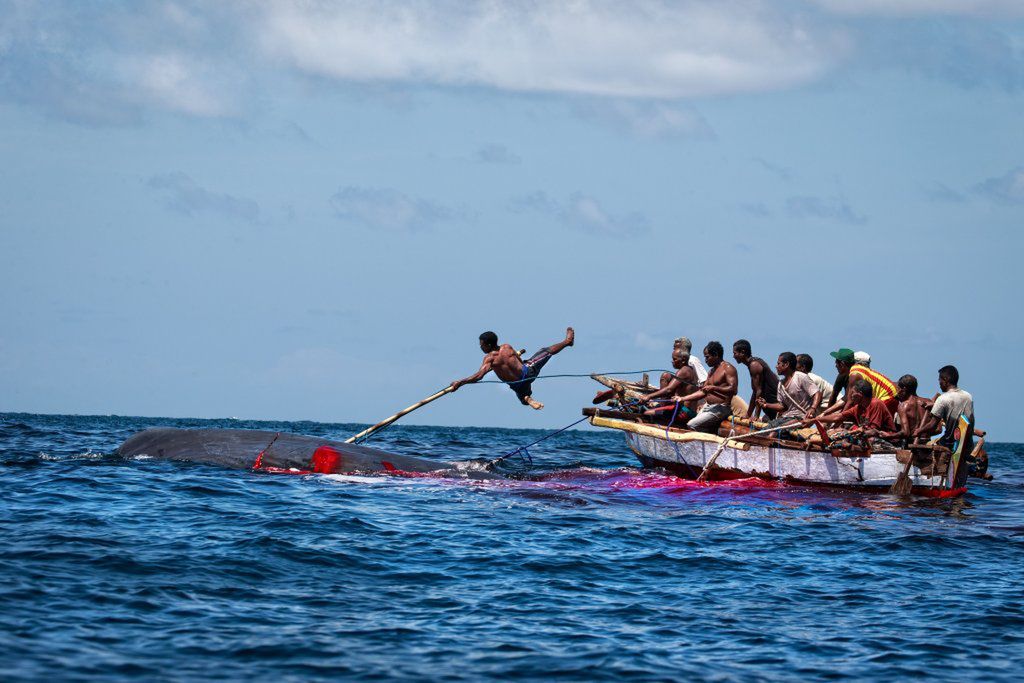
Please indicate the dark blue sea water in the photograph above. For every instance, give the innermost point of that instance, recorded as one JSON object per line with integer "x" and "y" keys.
{"x": 114, "y": 570}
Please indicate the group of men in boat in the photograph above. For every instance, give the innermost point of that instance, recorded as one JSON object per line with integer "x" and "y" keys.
{"x": 792, "y": 399}
{"x": 796, "y": 401}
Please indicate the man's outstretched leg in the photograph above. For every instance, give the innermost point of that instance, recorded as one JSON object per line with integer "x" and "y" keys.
{"x": 570, "y": 339}
{"x": 535, "y": 363}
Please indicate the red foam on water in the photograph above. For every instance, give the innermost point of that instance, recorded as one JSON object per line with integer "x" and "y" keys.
{"x": 629, "y": 479}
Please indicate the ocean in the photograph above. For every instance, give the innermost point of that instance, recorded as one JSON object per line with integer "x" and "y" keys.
{"x": 588, "y": 569}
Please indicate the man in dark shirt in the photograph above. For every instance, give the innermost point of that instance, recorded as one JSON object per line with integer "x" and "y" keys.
{"x": 764, "y": 384}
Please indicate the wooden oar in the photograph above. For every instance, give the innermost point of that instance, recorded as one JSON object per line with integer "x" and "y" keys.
{"x": 903, "y": 486}
{"x": 384, "y": 423}
{"x": 721, "y": 447}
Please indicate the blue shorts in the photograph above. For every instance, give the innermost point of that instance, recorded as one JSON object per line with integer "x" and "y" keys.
{"x": 531, "y": 369}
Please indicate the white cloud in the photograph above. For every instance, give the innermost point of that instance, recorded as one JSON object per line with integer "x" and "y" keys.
{"x": 627, "y": 64}
{"x": 584, "y": 213}
{"x": 940, "y": 192}
{"x": 184, "y": 195}
{"x": 1005, "y": 189}
{"x": 176, "y": 84}
{"x": 387, "y": 209}
{"x": 649, "y": 48}
{"x": 831, "y": 208}
{"x": 644, "y": 341}
{"x": 497, "y": 154}
{"x": 646, "y": 119}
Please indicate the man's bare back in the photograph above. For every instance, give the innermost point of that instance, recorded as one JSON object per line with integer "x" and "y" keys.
{"x": 509, "y": 367}
{"x": 506, "y": 363}
{"x": 912, "y": 413}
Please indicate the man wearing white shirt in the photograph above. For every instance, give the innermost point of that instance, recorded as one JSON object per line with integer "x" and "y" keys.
{"x": 804, "y": 363}
{"x": 946, "y": 411}
{"x": 684, "y": 344}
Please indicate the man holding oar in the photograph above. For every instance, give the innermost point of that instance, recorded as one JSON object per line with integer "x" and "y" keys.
{"x": 510, "y": 368}
{"x": 862, "y": 409}
{"x": 674, "y": 387}
{"x": 799, "y": 397}
{"x": 911, "y": 412}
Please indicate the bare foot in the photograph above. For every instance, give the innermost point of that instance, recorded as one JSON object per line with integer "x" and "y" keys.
{"x": 570, "y": 336}
{"x": 536, "y": 405}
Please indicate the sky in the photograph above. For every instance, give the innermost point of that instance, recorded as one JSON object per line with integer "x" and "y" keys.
{"x": 310, "y": 210}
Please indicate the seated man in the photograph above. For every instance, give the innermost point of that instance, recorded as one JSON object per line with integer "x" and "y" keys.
{"x": 718, "y": 391}
{"x": 850, "y": 371}
{"x": 683, "y": 344}
{"x": 804, "y": 364}
{"x": 799, "y": 397}
{"x": 911, "y": 412}
{"x": 671, "y": 392}
{"x": 862, "y": 409}
{"x": 507, "y": 365}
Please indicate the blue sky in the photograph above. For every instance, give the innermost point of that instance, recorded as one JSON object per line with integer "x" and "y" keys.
{"x": 310, "y": 210}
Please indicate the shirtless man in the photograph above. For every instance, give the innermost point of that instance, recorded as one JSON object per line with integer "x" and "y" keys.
{"x": 911, "y": 412}
{"x": 763, "y": 382}
{"x": 718, "y": 390}
{"x": 682, "y": 382}
{"x": 507, "y": 365}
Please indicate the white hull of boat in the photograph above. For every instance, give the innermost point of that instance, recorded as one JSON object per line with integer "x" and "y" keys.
{"x": 688, "y": 458}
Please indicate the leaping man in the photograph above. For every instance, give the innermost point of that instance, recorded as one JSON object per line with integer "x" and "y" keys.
{"x": 509, "y": 367}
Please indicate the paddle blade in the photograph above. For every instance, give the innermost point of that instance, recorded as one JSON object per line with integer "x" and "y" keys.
{"x": 902, "y": 486}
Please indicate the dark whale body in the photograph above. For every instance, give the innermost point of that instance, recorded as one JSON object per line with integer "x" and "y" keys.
{"x": 241, "y": 448}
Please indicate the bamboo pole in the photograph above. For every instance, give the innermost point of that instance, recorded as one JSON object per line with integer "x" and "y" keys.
{"x": 384, "y": 423}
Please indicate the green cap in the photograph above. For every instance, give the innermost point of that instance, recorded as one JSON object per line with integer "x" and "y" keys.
{"x": 845, "y": 355}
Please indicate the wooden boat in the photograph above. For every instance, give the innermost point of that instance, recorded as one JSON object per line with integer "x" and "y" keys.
{"x": 934, "y": 470}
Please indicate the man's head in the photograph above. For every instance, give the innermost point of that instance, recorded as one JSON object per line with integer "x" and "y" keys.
{"x": 862, "y": 358}
{"x": 949, "y": 377}
{"x": 906, "y": 386}
{"x": 683, "y": 343}
{"x": 488, "y": 342}
{"x": 786, "y": 365}
{"x": 713, "y": 353}
{"x": 861, "y": 392}
{"x": 804, "y": 363}
{"x": 680, "y": 358}
{"x": 741, "y": 351}
{"x": 844, "y": 361}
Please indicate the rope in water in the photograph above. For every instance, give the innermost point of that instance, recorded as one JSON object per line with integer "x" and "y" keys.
{"x": 525, "y": 450}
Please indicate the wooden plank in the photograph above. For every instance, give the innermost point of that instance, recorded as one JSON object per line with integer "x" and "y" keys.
{"x": 673, "y": 434}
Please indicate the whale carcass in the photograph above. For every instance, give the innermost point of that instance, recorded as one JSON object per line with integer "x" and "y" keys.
{"x": 283, "y": 452}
